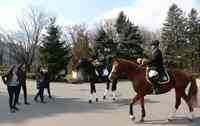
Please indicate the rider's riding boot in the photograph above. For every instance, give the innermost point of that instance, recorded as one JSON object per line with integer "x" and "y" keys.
{"x": 155, "y": 86}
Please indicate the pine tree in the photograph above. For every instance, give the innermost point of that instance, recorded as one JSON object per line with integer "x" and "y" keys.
{"x": 193, "y": 35}
{"x": 174, "y": 37}
{"x": 55, "y": 52}
{"x": 105, "y": 48}
{"x": 129, "y": 38}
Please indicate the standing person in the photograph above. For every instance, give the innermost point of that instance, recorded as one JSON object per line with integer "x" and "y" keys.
{"x": 22, "y": 83}
{"x": 40, "y": 81}
{"x": 47, "y": 83}
{"x": 12, "y": 81}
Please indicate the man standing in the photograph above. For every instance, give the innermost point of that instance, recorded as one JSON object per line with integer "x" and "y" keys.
{"x": 22, "y": 82}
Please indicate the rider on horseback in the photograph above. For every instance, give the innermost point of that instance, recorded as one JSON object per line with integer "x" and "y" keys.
{"x": 155, "y": 65}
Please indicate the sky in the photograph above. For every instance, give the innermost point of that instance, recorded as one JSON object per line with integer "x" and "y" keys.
{"x": 147, "y": 13}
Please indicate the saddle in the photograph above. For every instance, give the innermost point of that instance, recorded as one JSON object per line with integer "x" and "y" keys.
{"x": 163, "y": 76}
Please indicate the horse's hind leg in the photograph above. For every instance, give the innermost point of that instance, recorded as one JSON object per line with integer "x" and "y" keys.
{"x": 107, "y": 89}
{"x": 92, "y": 92}
{"x": 186, "y": 98}
{"x": 177, "y": 104}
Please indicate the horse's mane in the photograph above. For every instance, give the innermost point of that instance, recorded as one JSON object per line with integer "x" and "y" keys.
{"x": 132, "y": 63}
{"x": 128, "y": 61}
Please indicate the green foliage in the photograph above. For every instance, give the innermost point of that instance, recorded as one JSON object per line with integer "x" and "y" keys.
{"x": 174, "y": 37}
{"x": 129, "y": 38}
{"x": 105, "y": 48}
{"x": 55, "y": 51}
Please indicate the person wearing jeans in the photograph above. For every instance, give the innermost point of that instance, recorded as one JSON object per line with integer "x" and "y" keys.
{"x": 40, "y": 86}
{"x": 12, "y": 82}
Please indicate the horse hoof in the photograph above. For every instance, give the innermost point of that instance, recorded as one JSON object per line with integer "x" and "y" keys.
{"x": 97, "y": 100}
{"x": 104, "y": 97}
{"x": 90, "y": 101}
{"x": 132, "y": 117}
{"x": 191, "y": 120}
{"x": 170, "y": 120}
{"x": 142, "y": 120}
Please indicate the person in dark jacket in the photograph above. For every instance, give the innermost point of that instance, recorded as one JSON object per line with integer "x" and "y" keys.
{"x": 47, "y": 85}
{"x": 11, "y": 79}
{"x": 40, "y": 81}
{"x": 22, "y": 83}
{"x": 156, "y": 65}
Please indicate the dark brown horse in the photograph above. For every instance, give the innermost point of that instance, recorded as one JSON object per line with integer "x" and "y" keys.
{"x": 179, "y": 80}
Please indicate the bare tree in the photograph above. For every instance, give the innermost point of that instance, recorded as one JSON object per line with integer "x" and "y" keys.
{"x": 148, "y": 37}
{"x": 79, "y": 37}
{"x": 24, "y": 42}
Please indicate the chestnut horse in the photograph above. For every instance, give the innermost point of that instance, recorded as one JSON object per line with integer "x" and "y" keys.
{"x": 179, "y": 80}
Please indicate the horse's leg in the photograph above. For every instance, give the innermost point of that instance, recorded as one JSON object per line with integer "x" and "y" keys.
{"x": 92, "y": 91}
{"x": 143, "y": 109}
{"x": 107, "y": 89}
{"x": 135, "y": 99}
{"x": 177, "y": 104}
{"x": 114, "y": 89}
{"x": 186, "y": 98}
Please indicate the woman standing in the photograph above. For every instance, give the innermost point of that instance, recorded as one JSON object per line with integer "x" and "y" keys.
{"x": 12, "y": 82}
{"x": 40, "y": 81}
{"x": 22, "y": 83}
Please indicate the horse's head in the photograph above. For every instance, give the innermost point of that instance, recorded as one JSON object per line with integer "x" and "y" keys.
{"x": 124, "y": 66}
{"x": 116, "y": 70}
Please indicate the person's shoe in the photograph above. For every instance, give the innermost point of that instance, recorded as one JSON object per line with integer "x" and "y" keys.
{"x": 35, "y": 99}
{"x": 15, "y": 108}
{"x": 12, "y": 110}
{"x": 26, "y": 103}
{"x": 43, "y": 102}
{"x": 18, "y": 103}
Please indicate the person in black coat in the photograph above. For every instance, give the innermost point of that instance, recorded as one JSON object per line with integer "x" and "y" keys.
{"x": 11, "y": 80}
{"x": 41, "y": 83}
{"x": 22, "y": 83}
{"x": 156, "y": 65}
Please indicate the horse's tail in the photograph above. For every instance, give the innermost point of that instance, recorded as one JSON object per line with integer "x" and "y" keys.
{"x": 193, "y": 93}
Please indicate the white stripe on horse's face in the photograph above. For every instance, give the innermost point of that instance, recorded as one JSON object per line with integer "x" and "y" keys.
{"x": 113, "y": 71}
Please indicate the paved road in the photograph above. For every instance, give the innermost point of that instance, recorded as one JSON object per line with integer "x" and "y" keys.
{"x": 70, "y": 107}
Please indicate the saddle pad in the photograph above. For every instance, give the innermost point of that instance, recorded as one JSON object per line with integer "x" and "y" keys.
{"x": 162, "y": 80}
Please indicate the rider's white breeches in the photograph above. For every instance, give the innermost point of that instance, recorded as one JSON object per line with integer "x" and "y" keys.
{"x": 153, "y": 73}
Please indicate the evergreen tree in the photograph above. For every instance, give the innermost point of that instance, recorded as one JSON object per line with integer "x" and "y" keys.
{"x": 174, "y": 38}
{"x": 193, "y": 35}
{"x": 129, "y": 38}
{"x": 55, "y": 52}
{"x": 104, "y": 47}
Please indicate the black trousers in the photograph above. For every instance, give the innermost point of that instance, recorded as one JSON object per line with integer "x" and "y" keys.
{"x": 40, "y": 93}
{"x": 23, "y": 86}
{"x": 48, "y": 90}
{"x": 12, "y": 92}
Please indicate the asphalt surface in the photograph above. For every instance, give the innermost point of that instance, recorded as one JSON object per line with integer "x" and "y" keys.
{"x": 70, "y": 107}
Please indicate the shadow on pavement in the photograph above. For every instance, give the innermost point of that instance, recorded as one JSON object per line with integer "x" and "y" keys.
{"x": 175, "y": 121}
{"x": 59, "y": 105}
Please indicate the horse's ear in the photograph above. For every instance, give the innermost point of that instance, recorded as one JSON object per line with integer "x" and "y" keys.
{"x": 116, "y": 59}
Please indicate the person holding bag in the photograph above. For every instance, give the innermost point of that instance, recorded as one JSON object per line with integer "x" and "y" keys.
{"x": 11, "y": 79}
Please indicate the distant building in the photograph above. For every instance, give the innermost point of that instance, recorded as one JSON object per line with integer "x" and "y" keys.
{"x": 6, "y": 54}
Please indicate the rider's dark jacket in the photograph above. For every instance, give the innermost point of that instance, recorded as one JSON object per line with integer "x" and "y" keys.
{"x": 156, "y": 60}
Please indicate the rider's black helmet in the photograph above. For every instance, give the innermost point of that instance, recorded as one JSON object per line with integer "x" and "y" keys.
{"x": 155, "y": 43}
